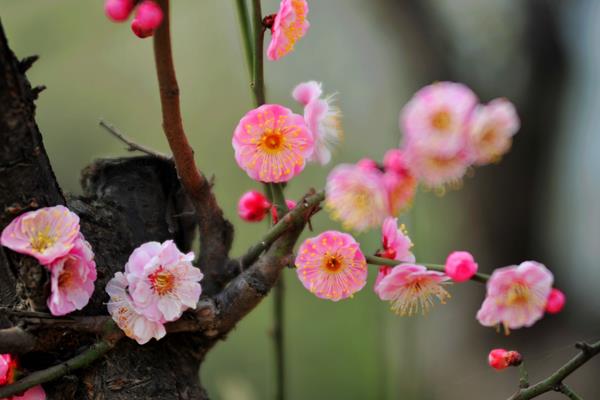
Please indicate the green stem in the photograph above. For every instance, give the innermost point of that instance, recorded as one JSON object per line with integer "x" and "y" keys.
{"x": 246, "y": 31}
{"x": 568, "y": 392}
{"x": 478, "y": 277}
{"x": 258, "y": 79}
{"x": 523, "y": 376}
{"x": 279, "y": 200}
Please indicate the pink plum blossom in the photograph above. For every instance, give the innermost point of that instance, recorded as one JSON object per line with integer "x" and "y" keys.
{"x": 290, "y": 205}
{"x": 436, "y": 119}
{"x": 163, "y": 283}
{"x": 8, "y": 365}
{"x": 396, "y": 246}
{"x": 555, "y": 302}
{"x": 289, "y": 26}
{"x": 253, "y": 206}
{"x": 272, "y": 144}
{"x": 410, "y": 289}
{"x": 34, "y": 393}
{"x": 322, "y": 118}
{"x": 460, "y": 266}
{"x": 491, "y": 130}
{"x": 118, "y": 10}
{"x": 399, "y": 181}
{"x": 436, "y": 170}
{"x": 501, "y": 359}
{"x": 148, "y": 17}
{"x": 516, "y": 296}
{"x": 357, "y": 196}
{"x": 46, "y": 234}
{"x": 72, "y": 279}
{"x": 121, "y": 308}
{"x": 331, "y": 265}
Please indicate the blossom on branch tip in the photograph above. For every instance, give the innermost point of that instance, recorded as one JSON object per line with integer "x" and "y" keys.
{"x": 356, "y": 196}
{"x": 322, "y": 119}
{"x": 8, "y": 367}
{"x": 411, "y": 289}
{"x": 491, "y": 130}
{"x": 436, "y": 119}
{"x": 460, "y": 266}
{"x": 118, "y": 10}
{"x": 289, "y": 26}
{"x": 501, "y": 359}
{"x": 396, "y": 246}
{"x": 46, "y": 234}
{"x": 72, "y": 279}
{"x": 272, "y": 144}
{"x": 121, "y": 308}
{"x": 148, "y": 17}
{"x": 555, "y": 302}
{"x": 290, "y": 205}
{"x": 253, "y": 206}
{"x": 34, "y": 393}
{"x": 516, "y": 296}
{"x": 331, "y": 265}
{"x": 163, "y": 283}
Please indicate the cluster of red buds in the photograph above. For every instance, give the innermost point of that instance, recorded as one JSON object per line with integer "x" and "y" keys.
{"x": 148, "y": 15}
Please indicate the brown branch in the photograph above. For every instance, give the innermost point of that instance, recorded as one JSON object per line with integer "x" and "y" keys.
{"x": 131, "y": 145}
{"x": 216, "y": 233}
{"x": 555, "y": 381}
{"x": 15, "y": 340}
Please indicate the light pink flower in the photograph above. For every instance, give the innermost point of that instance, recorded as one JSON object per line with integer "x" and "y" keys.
{"x": 290, "y": 24}
{"x": 163, "y": 283}
{"x": 460, "y": 266}
{"x": 118, "y": 10}
{"x": 34, "y": 393}
{"x": 411, "y": 288}
{"x": 72, "y": 279}
{"x": 148, "y": 17}
{"x": 8, "y": 365}
{"x": 331, "y": 265}
{"x": 491, "y": 130}
{"x": 322, "y": 118}
{"x": 435, "y": 119}
{"x": 46, "y": 234}
{"x": 357, "y": 196}
{"x": 436, "y": 170}
{"x": 253, "y": 206}
{"x": 516, "y": 296}
{"x": 121, "y": 308}
{"x": 555, "y": 302}
{"x": 272, "y": 144}
{"x": 290, "y": 205}
{"x": 396, "y": 246}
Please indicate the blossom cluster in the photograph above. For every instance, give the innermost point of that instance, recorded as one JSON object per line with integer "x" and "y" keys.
{"x": 52, "y": 235}
{"x": 158, "y": 285}
{"x": 148, "y": 15}
{"x": 8, "y": 370}
{"x": 332, "y": 266}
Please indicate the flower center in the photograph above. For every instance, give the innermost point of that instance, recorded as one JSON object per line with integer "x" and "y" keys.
{"x": 272, "y": 141}
{"x": 489, "y": 136}
{"x": 518, "y": 294}
{"x": 333, "y": 263}
{"x": 162, "y": 281}
{"x": 42, "y": 241}
{"x": 441, "y": 120}
{"x": 64, "y": 279}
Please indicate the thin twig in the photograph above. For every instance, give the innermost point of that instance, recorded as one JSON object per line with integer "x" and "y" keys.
{"x": 523, "y": 376}
{"x": 555, "y": 381}
{"x": 131, "y": 145}
{"x": 244, "y": 19}
{"x": 478, "y": 277}
{"x": 258, "y": 79}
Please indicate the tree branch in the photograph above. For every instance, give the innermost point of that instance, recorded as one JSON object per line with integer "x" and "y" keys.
{"x": 555, "y": 381}
{"x": 131, "y": 145}
{"x": 216, "y": 233}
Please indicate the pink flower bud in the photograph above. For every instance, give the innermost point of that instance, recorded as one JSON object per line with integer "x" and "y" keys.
{"x": 118, "y": 10}
{"x": 289, "y": 203}
{"x": 253, "y": 206}
{"x": 367, "y": 164}
{"x": 556, "y": 301}
{"x": 500, "y": 359}
{"x": 148, "y": 17}
{"x": 460, "y": 266}
{"x": 395, "y": 160}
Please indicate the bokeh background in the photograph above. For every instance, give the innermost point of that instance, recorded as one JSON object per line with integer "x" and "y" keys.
{"x": 541, "y": 202}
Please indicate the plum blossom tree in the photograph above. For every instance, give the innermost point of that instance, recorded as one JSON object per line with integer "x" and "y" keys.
{"x": 102, "y": 295}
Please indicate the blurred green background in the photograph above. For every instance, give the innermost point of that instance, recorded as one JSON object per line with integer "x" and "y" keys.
{"x": 541, "y": 202}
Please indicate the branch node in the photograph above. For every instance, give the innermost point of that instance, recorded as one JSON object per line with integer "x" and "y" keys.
{"x": 27, "y": 62}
